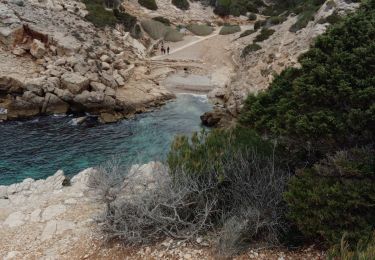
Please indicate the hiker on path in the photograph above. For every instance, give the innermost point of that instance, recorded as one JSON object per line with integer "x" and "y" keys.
{"x": 168, "y": 49}
{"x": 162, "y": 50}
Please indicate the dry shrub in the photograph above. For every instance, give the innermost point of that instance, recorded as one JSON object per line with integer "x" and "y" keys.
{"x": 244, "y": 201}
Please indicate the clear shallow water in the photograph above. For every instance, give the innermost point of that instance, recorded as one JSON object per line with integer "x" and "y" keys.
{"x": 38, "y": 148}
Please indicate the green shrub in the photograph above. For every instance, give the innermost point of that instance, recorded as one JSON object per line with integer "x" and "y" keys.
{"x": 246, "y": 33}
{"x": 206, "y": 147}
{"x": 149, "y": 4}
{"x": 264, "y": 35}
{"x": 259, "y": 24}
{"x": 173, "y": 36}
{"x": 98, "y": 15}
{"x": 274, "y": 20}
{"x": 336, "y": 196}
{"x": 327, "y": 104}
{"x": 136, "y": 32}
{"x": 332, "y": 19}
{"x": 302, "y": 20}
{"x": 162, "y": 20}
{"x": 181, "y": 4}
{"x": 252, "y": 17}
{"x": 126, "y": 19}
{"x": 249, "y": 49}
{"x": 200, "y": 29}
{"x": 155, "y": 29}
{"x": 363, "y": 251}
{"x": 229, "y": 29}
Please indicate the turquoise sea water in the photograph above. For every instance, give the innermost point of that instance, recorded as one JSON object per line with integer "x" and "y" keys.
{"x": 38, "y": 148}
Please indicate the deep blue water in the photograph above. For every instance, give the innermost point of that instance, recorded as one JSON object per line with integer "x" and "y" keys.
{"x": 38, "y": 148}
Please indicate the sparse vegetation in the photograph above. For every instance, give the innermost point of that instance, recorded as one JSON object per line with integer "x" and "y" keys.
{"x": 181, "y": 4}
{"x": 274, "y": 20}
{"x": 252, "y": 17}
{"x": 149, "y": 4}
{"x": 246, "y": 33}
{"x": 213, "y": 189}
{"x": 173, "y": 36}
{"x": 230, "y": 29}
{"x": 249, "y": 49}
{"x": 125, "y": 19}
{"x": 155, "y": 29}
{"x": 258, "y": 24}
{"x": 200, "y": 29}
{"x": 162, "y": 20}
{"x": 98, "y": 15}
{"x": 264, "y": 35}
{"x": 302, "y": 21}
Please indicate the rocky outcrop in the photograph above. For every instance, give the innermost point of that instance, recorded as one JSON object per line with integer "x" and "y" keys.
{"x": 255, "y": 72}
{"x": 37, "y": 49}
{"x": 78, "y": 68}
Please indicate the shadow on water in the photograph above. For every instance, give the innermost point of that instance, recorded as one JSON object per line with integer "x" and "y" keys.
{"x": 37, "y": 148}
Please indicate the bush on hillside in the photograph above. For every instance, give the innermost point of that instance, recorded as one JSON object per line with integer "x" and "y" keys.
{"x": 252, "y": 17}
{"x": 335, "y": 196}
{"x": 237, "y": 7}
{"x": 302, "y": 20}
{"x": 249, "y": 49}
{"x": 230, "y": 29}
{"x": 264, "y": 35}
{"x": 327, "y": 104}
{"x": 274, "y": 20}
{"x": 181, "y": 4}
{"x": 149, "y": 4}
{"x": 136, "y": 32}
{"x": 258, "y": 24}
{"x": 344, "y": 251}
{"x": 162, "y": 20}
{"x": 126, "y": 19}
{"x": 173, "y": 36}
{"x": 200, "y": 29}
{"x": 246, "y": 33}
{"x": 98, "y": 15}
{"x": 155, "y": 29}
{"x": 243, "y": 200}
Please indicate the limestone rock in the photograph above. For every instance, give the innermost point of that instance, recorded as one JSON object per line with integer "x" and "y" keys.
{"x": 22, "y": 109}
{"x": 37, "y": 49}
{"x": 52, "y": 211}
{"x": 15, "y": 219}
{"x": 97, "y": 86}
{"x": 74, "y": 82}
{"x": 110, "y": 117}
{"x": 10, "y": 85}
{"x": 54, "y": 105}
{"x": 63, "y": 94}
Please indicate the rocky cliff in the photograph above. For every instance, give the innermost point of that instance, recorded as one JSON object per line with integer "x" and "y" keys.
{"x": 256, "y": 71}
{"x": 54, "y": 62}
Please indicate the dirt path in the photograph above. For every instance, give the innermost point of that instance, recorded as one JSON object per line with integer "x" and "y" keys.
{"x": 200, "y": 39}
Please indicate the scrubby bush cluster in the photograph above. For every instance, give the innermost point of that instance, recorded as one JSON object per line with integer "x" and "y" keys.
{"x": 335, "y": 197}
{"x": 229, "y": 29}
{"x": 149, "y": 4}
{"x": 181, "y": 4}
{"x": 212, "y": 186}
{"x": 322, "y": 114}
{"x": 162, "y": 20}
{"x": 246, "y": 33}
{"x": 249, "y": 49}
{"x": 264, "y": 34}
{"x": 158, "y": 30}
{"x": 101, "y": 17}
{"x": 237, "y": 7}
{"x": 98, "y": 15}
{"x": 200, "y": 29}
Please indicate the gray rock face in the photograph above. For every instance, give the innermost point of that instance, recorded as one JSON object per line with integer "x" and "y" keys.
{"x": 54, "y": 105}
{"x": 97, "y": 86}
{"x": 90, "y": 99}
{"x": 74, "y": 82}
{"x": 37, "y": 49}
{"x": 10, "y": 85}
